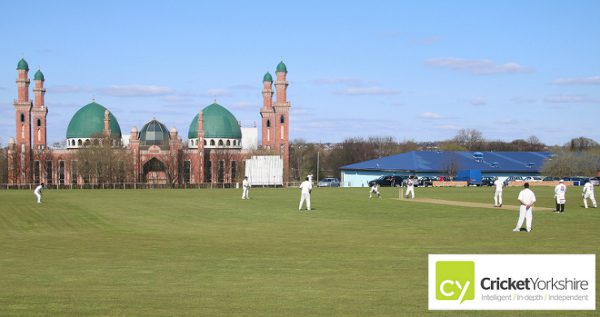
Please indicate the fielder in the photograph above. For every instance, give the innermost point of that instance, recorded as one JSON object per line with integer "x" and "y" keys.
{"x": 498, "y": 192}
{"x": 410, "y": 187}
{"x": 245, "y": 188}
{"x": 374, "y": 191}
{"x": 38, "y": 192}
{"x": 588, "y": 192}
{"x": 527, "y": 199}
{"x": 306, "y": 188}
{"x": 560, "y": 194}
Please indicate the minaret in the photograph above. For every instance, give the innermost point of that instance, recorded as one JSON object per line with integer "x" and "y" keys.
{"x": 39, "y": 112}
{"x": 200, "y": 169}
{"x": 106, "y": 130}
{"x": 267, "y": 113}
{"x": 23, "y": 124}
{"x": 281, "y": 120}
{"x": 134, "y": 148}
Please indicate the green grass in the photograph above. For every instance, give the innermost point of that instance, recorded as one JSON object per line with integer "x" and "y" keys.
{"x": 209, "y": 253}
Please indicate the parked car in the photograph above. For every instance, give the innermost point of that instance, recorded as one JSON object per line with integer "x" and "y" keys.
{"x": 426, "y": 181}
{"x": 329, "y": 182}
{"x": 514, "y": 179}
{"x": 595, "y": 181}
{"x": 487, "y": 181}
{"x": 577, "y": 180}
{"x": 532, "y": 179}
{"x": 551, "y": 179}
{"x": 389, "y": 181}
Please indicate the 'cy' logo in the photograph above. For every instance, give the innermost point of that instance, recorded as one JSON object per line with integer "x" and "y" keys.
{"x": 455, "y": 280}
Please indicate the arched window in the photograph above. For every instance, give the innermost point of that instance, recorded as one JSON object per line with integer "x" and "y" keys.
{"x": 220, "y": 142}
{"x": 212, "y": 142}
{"x": 268, "y": 123}
{"x": 204, "y": 142}
{"x": 22, "y": 117}
{"x": 39, "y": 123}
{"x": 87, "y": 142}
{"x": 228, "y": 143}
{"x": 96, "y": 142}
{"x": 282, "y": 119}
{"x": 78, "y": 142}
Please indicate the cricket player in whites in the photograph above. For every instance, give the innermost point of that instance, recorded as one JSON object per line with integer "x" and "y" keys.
{"x": 38, "y": 192}
{"x": 560, "y": 195}
{"x": 374, "y": 191}
{"x": 588, "y": 192}
{"x": 245, "y": 188}
{"x": 527, "y": 199}
{"x": 410, "y": 186}
{"x": 498, "y": 192}
{"x": 306, "y": 188}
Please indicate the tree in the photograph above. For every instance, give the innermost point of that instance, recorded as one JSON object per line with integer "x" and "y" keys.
{"x": 566, "y": 163}
{"x": 582, "y": 144}
{"x": 3, "y": 165}
{"x": 471, "y": 139}
{"x": 104, "y": 162}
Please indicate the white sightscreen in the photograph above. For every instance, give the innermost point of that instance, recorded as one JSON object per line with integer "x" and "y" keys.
{"x": 265, "y": 170}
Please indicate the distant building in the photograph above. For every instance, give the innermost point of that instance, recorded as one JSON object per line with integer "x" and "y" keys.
{"x": 215, "y": 147}
{"x": 438, "y": 163}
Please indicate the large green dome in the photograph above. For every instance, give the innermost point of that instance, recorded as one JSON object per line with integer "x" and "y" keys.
{"x": 218, "y": 123}
{"x": 38, "y": 75}
{"x": 88, "y": 122}
{"x": 154, "y": 133}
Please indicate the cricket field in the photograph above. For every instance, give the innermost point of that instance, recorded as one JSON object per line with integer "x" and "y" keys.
{"x": 206, "y": 252}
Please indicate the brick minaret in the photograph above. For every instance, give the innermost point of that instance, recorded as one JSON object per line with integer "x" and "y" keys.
{"x": 23, "y": 125}
{"x": 106, "y": 130}
{"x": 267, "y": 113}
{"x": 282, "y": 109}
{"x": 134, "y": 147}
{"x": 275, "y": 118}
{"x": 39, "y": 112}
{"x": 200, "y": 163}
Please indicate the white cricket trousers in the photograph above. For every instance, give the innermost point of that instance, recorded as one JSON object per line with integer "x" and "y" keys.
{"x": 39, "y": 198}
{"x": 303, "y": 197}
{"x": 591, "y": 197}
{"x": 498, "y": 198}
{"x": 525, "y": 213}
{"x": 410, "y": 190}
{"x": 245, "y": 193}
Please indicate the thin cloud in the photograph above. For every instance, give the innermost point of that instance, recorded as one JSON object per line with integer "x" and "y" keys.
{"x": 450, "y": 127}
{"x": 336, "y": 81}
{"x": 366, "y": 91}
{"x": 67, "y": 89}
{"x": 594, "y": 80}
{"x": 477, "y": 66}
{"x": 478, "y": 101}
{"x": 429, "y": 40}
{"x": 136, "y": 91}
{"x": 523, "y": 100}
{"x": 570, "y": 99}
{"x": 430, "y": 115}
{"x": 217, "y": 92}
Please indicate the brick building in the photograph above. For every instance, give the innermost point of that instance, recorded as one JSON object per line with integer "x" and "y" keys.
{"x": 213, "y": 151}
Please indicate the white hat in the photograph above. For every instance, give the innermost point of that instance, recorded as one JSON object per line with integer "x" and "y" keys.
{"x": 561, "y": 181}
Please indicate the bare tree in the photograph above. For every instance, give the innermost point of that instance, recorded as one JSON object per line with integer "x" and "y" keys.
{"x": 469, "y": 138}
{"x": 104, "y": 162}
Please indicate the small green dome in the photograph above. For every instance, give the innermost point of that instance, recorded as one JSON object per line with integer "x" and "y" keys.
{"x": 88, "y": 122}
{"x": 22, "y": 65}
{"x": 218, "y": 123}
{"x": 268, "y": 77}
{"x": 38, "y": 75}
{"x": 154, "y": 133}
{"x": 281, "y": 68}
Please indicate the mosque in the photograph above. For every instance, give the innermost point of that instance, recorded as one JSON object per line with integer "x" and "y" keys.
{"x": 213, "y": 152}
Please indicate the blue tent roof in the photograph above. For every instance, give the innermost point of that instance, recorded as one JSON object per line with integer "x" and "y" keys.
{"x": 439, "y": 161}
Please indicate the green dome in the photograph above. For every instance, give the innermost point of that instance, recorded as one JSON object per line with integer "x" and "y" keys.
{"x": 23, "y": 65}
{"x": 88, "y": 122}
{"x": 281, "y": 68}
{"x": 268, "y": 77}
{"x": 154, "y": 133}
{"x": 38, "y": 75}
{"x": 218, "y": 123}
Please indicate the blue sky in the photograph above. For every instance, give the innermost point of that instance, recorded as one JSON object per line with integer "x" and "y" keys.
{"x": 417, "y": 70}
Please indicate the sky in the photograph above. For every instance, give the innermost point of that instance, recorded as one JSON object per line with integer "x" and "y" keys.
{"x": 413, "y": 70}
